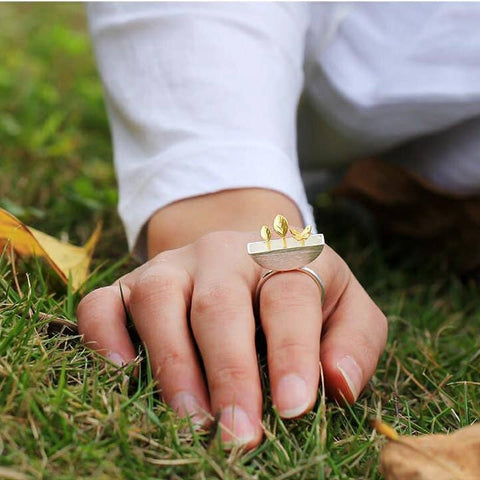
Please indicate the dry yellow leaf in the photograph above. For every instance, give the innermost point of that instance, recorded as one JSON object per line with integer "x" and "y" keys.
{"x": 432, "y": 457}
{"x": 66, "y": 259}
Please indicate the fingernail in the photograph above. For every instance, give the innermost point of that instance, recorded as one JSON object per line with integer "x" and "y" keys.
{"x": 293, "y": 397}
{"x": 352, "y": 374}
{"x": 237, "y": 429}
{"x": 186, "y": 405}
{"x": 116, "y": 358}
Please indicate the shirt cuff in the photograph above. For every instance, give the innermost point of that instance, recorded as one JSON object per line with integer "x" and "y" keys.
{"x": 184, "y": 172}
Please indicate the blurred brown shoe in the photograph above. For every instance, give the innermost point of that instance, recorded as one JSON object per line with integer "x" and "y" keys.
{"x": 408, "y": 205}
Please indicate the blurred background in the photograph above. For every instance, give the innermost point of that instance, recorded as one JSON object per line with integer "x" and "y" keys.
{"x": 55, "y": 151}
{"x": 65, "y": 414}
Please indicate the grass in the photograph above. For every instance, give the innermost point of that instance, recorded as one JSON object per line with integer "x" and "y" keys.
{"x": 65, "y": 414}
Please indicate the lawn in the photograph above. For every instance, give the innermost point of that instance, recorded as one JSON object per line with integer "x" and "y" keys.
{"x": 65, "y": 414}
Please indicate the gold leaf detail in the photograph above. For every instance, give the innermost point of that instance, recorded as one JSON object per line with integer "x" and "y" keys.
{"x": 280, "y": 225}
{"x": 301, "y": 235}
{"x": 297, "y": 234}
{"x": 265, "y": 233}
{"x": 307, "y": 231}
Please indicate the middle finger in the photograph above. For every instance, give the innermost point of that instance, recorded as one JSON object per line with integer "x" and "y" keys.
{"x": 223, "y": 324}
{"x": 291, "y": 315}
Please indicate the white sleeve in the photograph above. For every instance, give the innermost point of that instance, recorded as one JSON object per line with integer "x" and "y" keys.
{"x": 201, "y": 97}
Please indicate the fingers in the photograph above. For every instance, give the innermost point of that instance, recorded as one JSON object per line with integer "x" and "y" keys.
{"x": 159, "y": 308}
{"x": 354, "y": 332}
{"x": 210, "y": 285}
{"x": 291, "y": 314}
{"x": 102, "y": 322}
{"x": 354, "y": 335}
{"x": 224, "y": 328}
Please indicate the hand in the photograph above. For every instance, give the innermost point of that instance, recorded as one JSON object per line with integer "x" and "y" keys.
{"x": 201, "y": 295}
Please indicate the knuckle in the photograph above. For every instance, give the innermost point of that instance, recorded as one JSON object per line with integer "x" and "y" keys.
{"x": 88, "y": 307}
{"x": 164, "y": 257}
{"x": 287, "y": 352}
{"x": 288, "y": 347}
{"x": 219, "y": 298}
{"x": 209, "y": 241}
{"x": 218, "y": 238}
{"x": 218, "y": 243}
{"x": 155, "y": 284}
{"x": 366, "y": 348}
{"x": 374, "y": 337}
{"x": 227, "y": 376}
{"x": 168, "y": 361}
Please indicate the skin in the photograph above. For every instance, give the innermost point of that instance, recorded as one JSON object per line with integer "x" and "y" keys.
{"x": 192, "y": 305}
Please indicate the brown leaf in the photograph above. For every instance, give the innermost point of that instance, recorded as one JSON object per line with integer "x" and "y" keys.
{"x": 433, "y": 457}
{"x": 67, "y": 260}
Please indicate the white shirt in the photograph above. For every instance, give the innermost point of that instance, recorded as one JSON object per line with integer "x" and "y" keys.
{"x": 203, "y": 97}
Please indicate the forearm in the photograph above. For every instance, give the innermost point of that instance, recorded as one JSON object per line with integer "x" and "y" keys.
{"x": 247, "y": 209}
{"x": 207, "y": 116}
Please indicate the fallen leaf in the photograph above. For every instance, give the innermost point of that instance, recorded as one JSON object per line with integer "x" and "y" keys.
{"x": 67, "y": 260}
{"x": 451, "y": 456}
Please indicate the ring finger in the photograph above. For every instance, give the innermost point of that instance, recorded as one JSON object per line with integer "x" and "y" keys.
{"x": 291, "y": 316}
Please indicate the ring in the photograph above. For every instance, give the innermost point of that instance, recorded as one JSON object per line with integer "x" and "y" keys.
{"x": 287, "y": 254}
{"x": 313, "y": 275}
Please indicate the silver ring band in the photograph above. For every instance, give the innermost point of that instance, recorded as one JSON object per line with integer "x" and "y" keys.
{"x": 313, "y": 275}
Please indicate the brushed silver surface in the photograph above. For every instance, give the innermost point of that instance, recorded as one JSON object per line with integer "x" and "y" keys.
{"x": 293, "y": 256}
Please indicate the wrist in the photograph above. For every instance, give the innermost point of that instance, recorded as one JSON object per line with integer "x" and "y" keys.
{"x": 187, "y": 220}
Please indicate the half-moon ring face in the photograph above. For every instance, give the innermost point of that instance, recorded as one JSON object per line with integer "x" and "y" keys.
{"x": 286, "y": 253}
